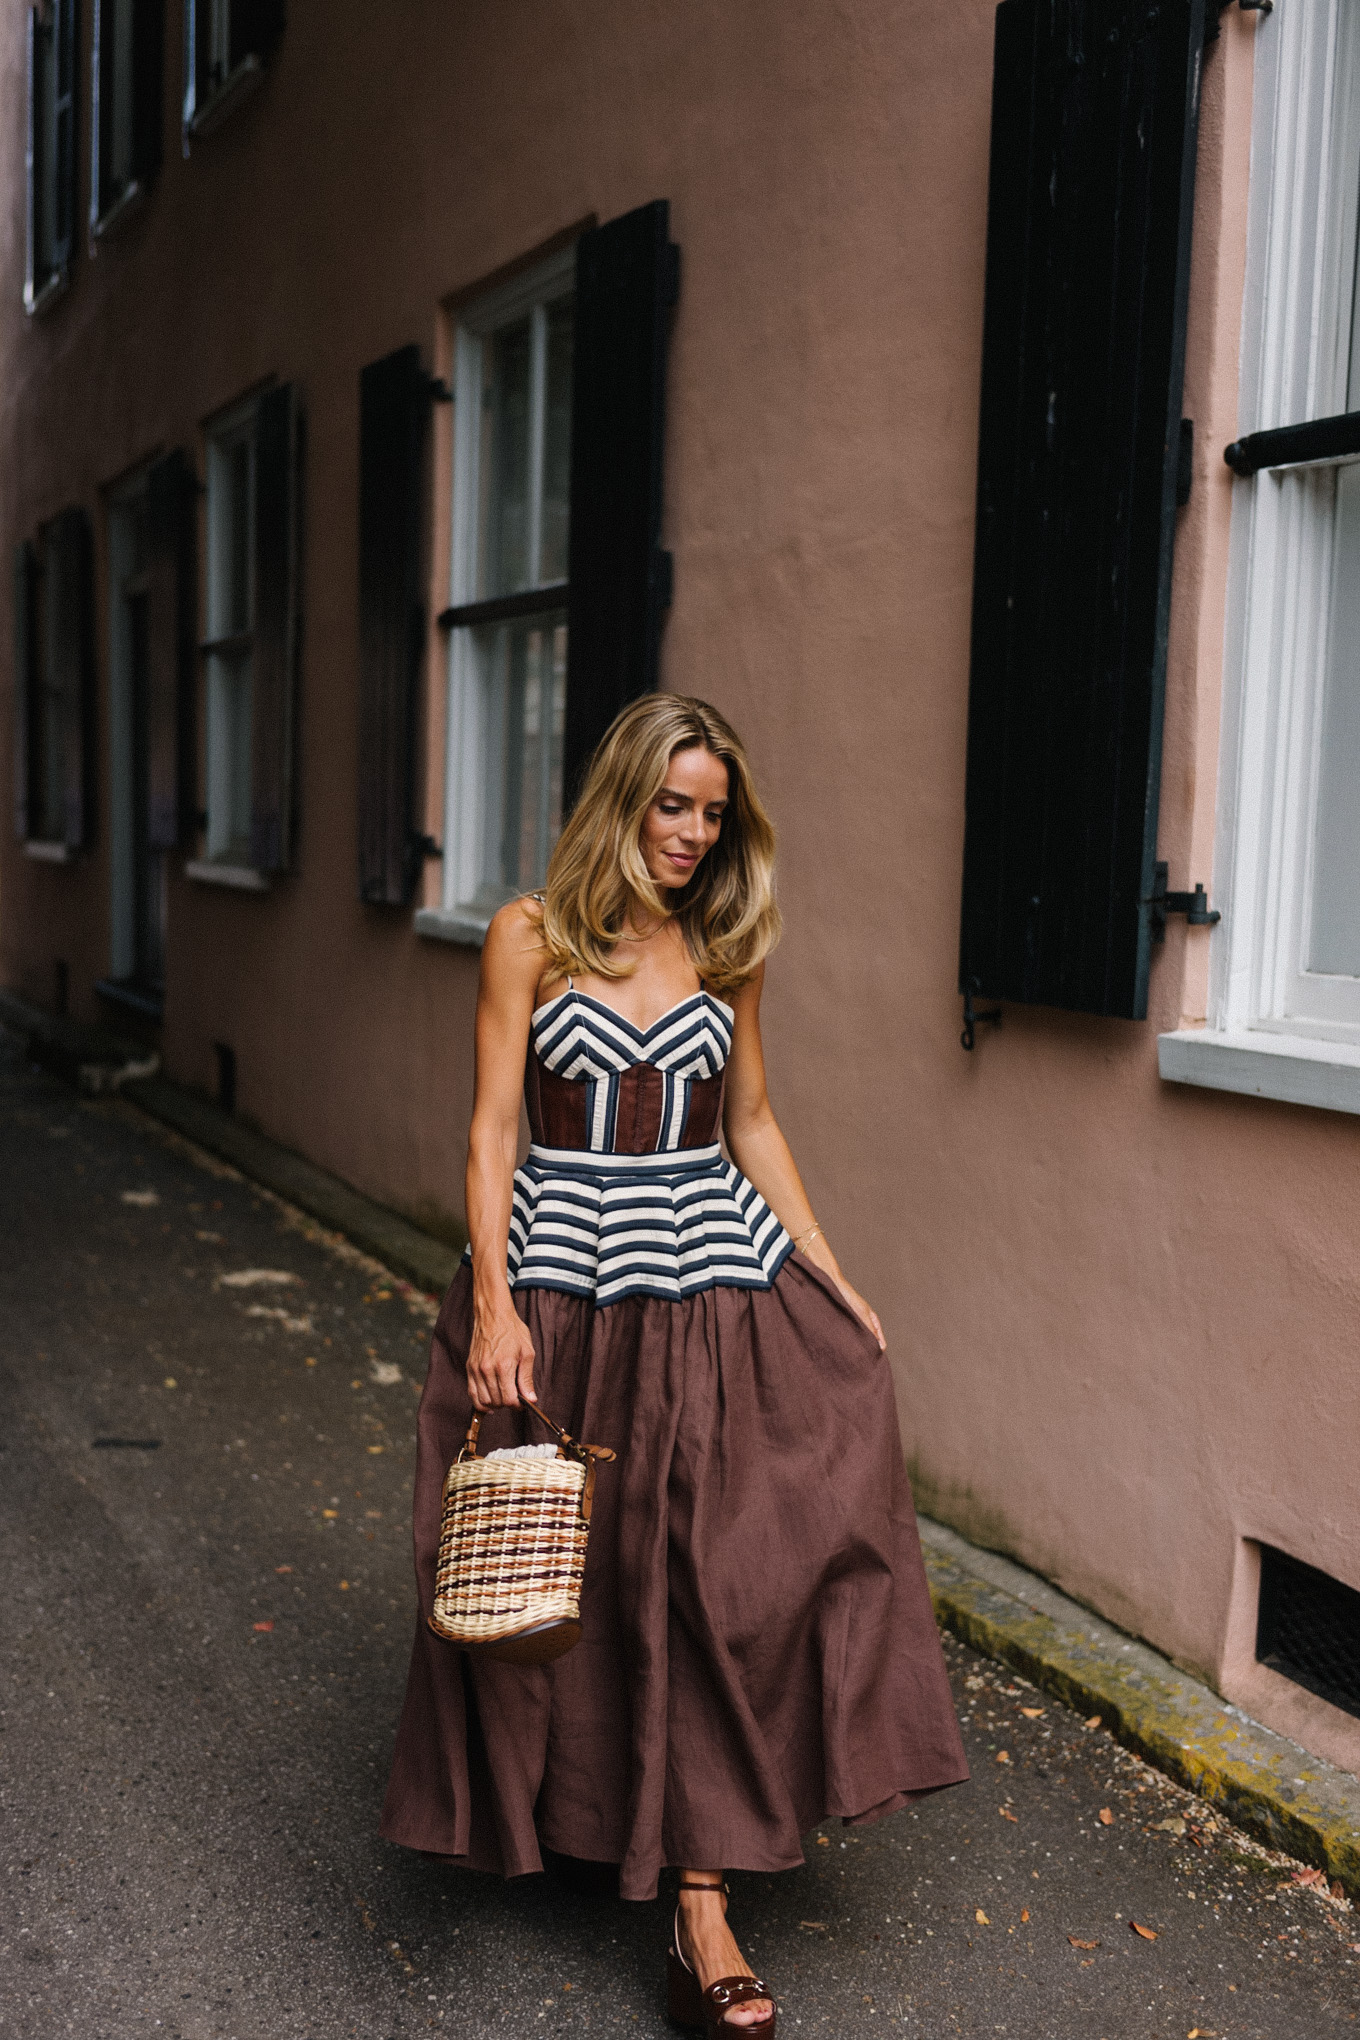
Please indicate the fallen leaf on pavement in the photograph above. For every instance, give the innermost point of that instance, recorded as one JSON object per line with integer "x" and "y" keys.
{"x": 344, "y": 1586}
{"x": 814, "y": 1926}
{"x": 257, "y": 1278}
{"x": 385, "y": 1373}
{"x": 145, "y": 1198}
{"x": 1106, "y": 1817}
{"x": 284, "y": 1317}
{"x": 981, "y": 1918}
{"x": 1031, "y": 1713}
{"x": 1200, "y": 2033}
{"x": 823, "y": 1841}
{"x": 1006, "y": 1814}
{"x": 283, "y": 1568}
{"x": 1311, "y": 1879}
{"x": 1174, "y": 1826}
{"x": 1092, "y": 1721}
{"x": 377, "y": 1448}
{"x": 1003, "y": 1756}
{"x": 330, "y": 1512}
{"x": 264, "y": 1626}
{"x": 1145, "y": 1933}
{"x": 1024, "y": 1914}
{"x": 1082, "y": 1944}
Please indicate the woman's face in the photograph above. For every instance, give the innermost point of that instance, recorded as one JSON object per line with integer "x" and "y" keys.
{"x": 681, "y": 825}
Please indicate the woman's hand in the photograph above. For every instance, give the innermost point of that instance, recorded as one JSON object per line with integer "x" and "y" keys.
{"x": 500, "y": 1368}
{"x": 861, "y": 1310}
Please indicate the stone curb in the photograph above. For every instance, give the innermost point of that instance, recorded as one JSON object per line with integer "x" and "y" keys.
{"x": 417, "y": 1256}
{"x": 1264, "y": 1783}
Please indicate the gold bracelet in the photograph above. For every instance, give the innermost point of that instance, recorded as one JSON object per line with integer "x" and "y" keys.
{"x": 804, "y": 1240}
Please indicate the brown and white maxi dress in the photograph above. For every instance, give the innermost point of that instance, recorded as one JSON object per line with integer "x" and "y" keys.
{"x": 759, "y": 1651}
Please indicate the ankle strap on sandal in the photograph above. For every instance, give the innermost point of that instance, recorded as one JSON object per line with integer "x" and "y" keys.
{"x": 687, "y": 1884}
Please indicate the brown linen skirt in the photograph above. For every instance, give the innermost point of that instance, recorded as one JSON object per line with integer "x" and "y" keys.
{"x": 759, "y": 1650}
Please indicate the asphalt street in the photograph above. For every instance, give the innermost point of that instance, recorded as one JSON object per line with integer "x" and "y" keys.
{"x": 205, "y": 1470}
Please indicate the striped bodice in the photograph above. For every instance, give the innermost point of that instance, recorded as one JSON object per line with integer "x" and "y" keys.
{"x": 579, "y": 1040}
{"x": 626, "y": 1190}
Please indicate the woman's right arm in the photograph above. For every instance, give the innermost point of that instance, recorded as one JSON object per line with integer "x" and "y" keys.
{"x": 500, "y": 1367}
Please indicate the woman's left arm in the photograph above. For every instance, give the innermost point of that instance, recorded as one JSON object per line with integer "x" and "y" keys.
{"x": 761, "y": 1152}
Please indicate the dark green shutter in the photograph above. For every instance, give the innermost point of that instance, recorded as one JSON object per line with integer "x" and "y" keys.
{"x": 1094, "y": 117}
{"x": 172, "y": 648}
{"x": 394, "y": 409}
{"x": 256, "y": 26}
{"x": 69, "y": 619}
{"x": 25, "y": 654}
{"x": 627, "y": 277}
{"x": 277, "y": 451}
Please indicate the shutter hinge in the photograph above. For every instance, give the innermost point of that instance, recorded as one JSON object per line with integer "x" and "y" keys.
{"x": 1194, "y": 905}
{"x": 991, "y": 1015}
{"x": 425, "y": 846}
{"x": 439, "y": 391}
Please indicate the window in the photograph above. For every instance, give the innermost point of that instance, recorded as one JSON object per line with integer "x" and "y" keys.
{"x": 50, "y": 151}
{"x": 226, "y": 43}
{"x": 230, "y": 642}
{"x": 125, "y": 150}
{"x": 1287, "y": 963}
{"x": 508, "y": 621}
{"x": 54, "y": 672}
{"x": 251, "y": 643}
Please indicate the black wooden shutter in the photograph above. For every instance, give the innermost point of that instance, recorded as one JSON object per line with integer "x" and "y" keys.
{"x": 276, "y": 627}
{"x": 627, "y": 277}
{"x": 25, "y": 653}
{"x": 172, "y": 649}
{"x": 31, "y": 138}
{"x": 69, "y": 604}
{"x": 255, "y": 27}
{"x": 1094, "y": 115}
{"x": 63, "y": 114}
{"x": 102, "y": 59}
{"x": 394, "y": 409}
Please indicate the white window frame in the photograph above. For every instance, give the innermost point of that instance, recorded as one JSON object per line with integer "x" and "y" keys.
{"x": 460, "y": 917}
{"x": 1275, "y": 1029}
{"x": 222, "y": 861}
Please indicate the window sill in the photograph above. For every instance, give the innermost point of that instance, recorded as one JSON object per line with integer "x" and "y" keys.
{"x": 239, "y": 876}
{"x": 1292, "y": 1068}
{"x": 124, "y": 207}
{"x": 49, "y": 853}
{"x": 465, "y": 925}
{"x": 47, "y": 294}
{"x": 225, "y": 99}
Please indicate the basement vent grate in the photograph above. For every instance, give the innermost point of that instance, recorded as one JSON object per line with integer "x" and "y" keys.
{"x": 1308, "y": 1628}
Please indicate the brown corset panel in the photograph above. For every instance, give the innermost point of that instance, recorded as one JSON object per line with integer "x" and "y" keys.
{"x": 557, "y": 1108}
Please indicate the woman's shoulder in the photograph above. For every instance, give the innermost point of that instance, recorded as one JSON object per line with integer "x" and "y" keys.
{"x": 514, "y": 935}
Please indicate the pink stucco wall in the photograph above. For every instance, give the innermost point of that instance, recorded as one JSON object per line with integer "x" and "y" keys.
{"x": 1120, "y": 1313}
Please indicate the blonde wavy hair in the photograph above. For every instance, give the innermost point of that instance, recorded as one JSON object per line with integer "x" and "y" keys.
{"x": 727, "y": 911}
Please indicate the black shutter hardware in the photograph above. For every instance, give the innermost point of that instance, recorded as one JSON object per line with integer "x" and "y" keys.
{"x": 276, "y": 628}
{"x": 25, "y": 676}
{"x": 627, "y": 281}
{"x": 172, "y": 651}
{"x": 1094, "y": 121}
{"x": 394, "y": 409}
{"x": 1321, "y": 439}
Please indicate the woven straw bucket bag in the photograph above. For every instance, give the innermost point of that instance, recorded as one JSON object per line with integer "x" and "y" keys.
{"x": 512, "y": 1549}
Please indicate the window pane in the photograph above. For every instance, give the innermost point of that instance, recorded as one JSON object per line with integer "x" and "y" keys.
{"x": 228, "y": 757}
{"x": 523, "y": 669}
{"x": 236, "y": 564}
{"x": 44, "y": 154}
{"x": 557, "y": 442}
{"x": 505, "y": 505}
{"x": 1335, "y": 947}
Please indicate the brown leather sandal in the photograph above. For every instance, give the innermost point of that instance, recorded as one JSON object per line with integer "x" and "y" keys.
{"x": 687, "y": 2004}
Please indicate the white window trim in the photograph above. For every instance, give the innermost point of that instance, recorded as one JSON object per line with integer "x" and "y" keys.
{"x": 1278, "y": 575}
{"x": 457, "y": 919}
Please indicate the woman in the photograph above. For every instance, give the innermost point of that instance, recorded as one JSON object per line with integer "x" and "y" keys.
{"x": 758, "y": 1647}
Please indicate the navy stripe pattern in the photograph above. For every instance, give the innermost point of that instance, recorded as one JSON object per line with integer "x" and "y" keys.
{"x": 669, "y": 1224}
{"x": 581, "y": 1039}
